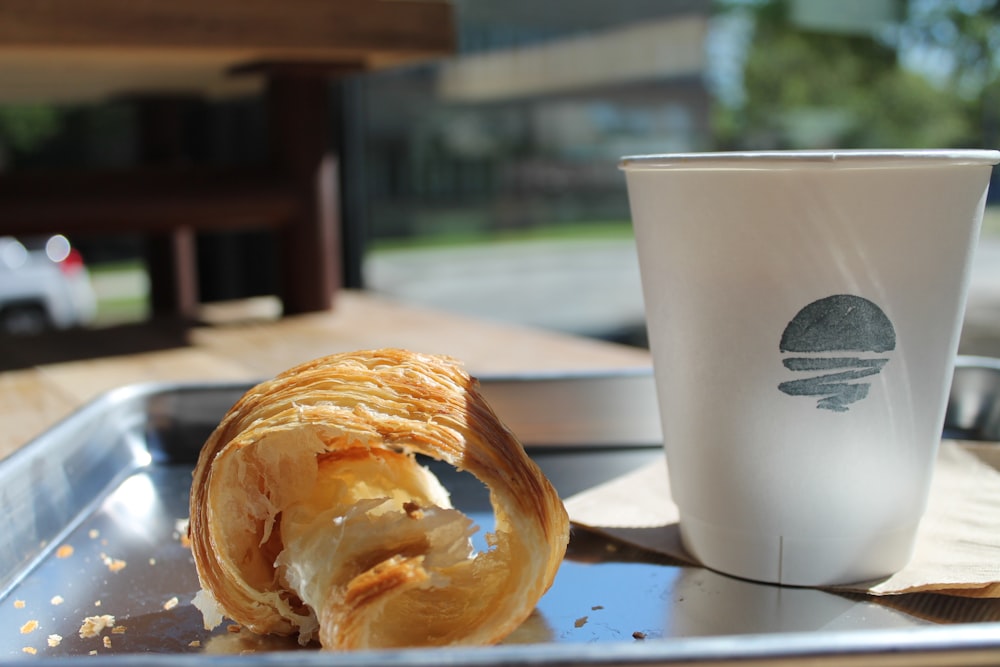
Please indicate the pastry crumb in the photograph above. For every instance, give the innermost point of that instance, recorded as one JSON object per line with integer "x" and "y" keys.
{"x": 106, "y": 641}
{"x": 234, "y": 628}
{"x": 181, "y": 531}
{"x": 56, "y": 600}
{"x": 171, "y": 603}
{"x": 113, "y": 564}
{"x": 54, "y": 640}
{"x": 118, "y": 630}
{"x": 580, "y": 622}
{"x": 413, "y": 510}
{"x": 65, "y": 551}
{"x": 92, "y": 653}
{"x": 195, "y": 643}
{"x": 94, "y": 625}
{"x": 19, "y": 604}
{"x": 211, "y": 612}
{"x": 94, "y": 534}
{"x": 638, "y": 635}
{"x": 29, "y": 627}
{"x": 30, "y": 650}
{"x": 152, "y": 561}
{"x": 97, "y": 603}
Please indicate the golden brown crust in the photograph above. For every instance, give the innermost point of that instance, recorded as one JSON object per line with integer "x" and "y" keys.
{"x": 310, "y": 515}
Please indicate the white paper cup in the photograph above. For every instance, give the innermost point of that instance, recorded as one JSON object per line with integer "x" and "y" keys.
{"x": 803, "y": 311}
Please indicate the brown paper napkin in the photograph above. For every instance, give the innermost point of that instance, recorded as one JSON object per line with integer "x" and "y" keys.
{"x": 958, "y": 542}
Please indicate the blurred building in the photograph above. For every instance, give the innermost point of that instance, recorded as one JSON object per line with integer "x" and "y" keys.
{"x": 526, "y": 125}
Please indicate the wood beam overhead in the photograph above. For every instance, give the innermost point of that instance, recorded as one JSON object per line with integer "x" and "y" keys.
{"x": 68, "y": 50}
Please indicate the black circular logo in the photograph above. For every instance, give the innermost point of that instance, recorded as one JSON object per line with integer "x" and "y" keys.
{"x": 822, "y": 332}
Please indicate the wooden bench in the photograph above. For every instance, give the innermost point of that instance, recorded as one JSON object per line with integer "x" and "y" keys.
{"x": 63, "y": 51}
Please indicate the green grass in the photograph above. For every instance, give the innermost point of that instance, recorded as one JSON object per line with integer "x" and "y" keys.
{"x": 611, "y": 229}
{"x": 107, "y": 268}
{"x": 121, "y": 304}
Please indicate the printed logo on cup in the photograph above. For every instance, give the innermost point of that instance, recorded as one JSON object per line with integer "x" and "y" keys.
{"x": 825, "y": 330}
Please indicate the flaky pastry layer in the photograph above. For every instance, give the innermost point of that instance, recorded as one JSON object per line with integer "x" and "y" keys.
{"x": 311, "y": 516}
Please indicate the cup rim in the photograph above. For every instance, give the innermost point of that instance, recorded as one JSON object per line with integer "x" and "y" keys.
{"x": 861, "y": 158}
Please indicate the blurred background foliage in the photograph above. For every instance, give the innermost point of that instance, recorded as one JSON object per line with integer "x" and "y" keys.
{"x": 927, "y": 75}
{"x": 24, "y": 128}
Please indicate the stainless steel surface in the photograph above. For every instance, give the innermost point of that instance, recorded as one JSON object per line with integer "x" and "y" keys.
{"x": 111, "y": 483}
{"x": 612, "y": 408}
{"x": 974, "y": 402}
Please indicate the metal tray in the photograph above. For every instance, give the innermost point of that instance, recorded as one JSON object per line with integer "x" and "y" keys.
{"x": 95, "y": 522}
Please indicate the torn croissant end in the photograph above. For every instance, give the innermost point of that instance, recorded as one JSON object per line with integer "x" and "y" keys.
{"x": 311, "y": 516}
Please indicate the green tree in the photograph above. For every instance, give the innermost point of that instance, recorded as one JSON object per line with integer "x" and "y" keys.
{"x": 964, "y": 37}
{"x": 812, "y": 89}
{"x": 24, "y": 127}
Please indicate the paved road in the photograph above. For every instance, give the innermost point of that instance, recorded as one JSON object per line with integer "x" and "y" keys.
{"x": 582, "y": 286}
{"x": 981, "y": 334}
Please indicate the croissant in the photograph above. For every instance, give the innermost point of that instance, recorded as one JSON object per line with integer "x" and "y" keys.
{"x": 310, "y": 514}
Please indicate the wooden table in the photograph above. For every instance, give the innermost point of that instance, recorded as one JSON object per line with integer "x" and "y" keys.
{"x": 33, "y": 399}
{"x": 159, "y": 53}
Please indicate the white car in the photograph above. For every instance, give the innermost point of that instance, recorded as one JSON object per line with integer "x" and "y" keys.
{"x": 44, "y": 285}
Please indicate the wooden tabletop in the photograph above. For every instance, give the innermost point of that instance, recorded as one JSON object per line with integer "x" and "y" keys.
{"x": 34, "y": 398}
{"x": 74, "y": 51}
